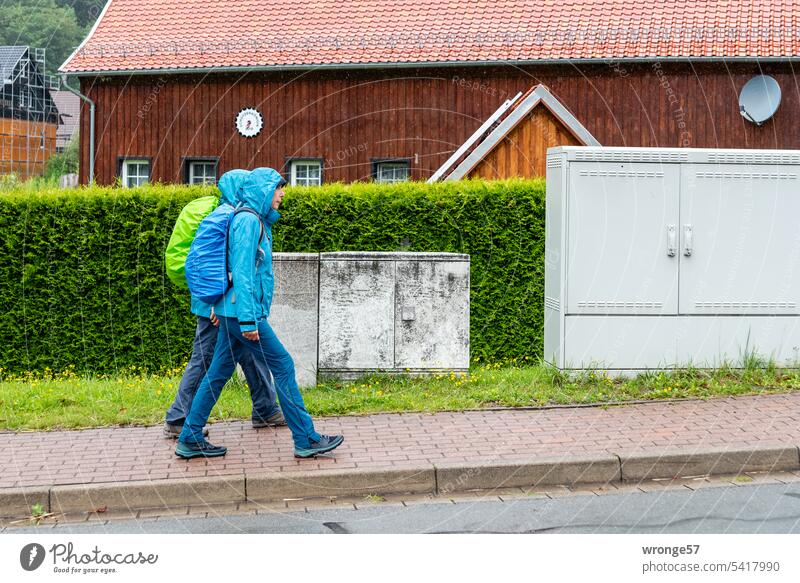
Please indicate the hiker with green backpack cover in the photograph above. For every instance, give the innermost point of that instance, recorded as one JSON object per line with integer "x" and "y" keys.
{"x": 243, "y": 311}
{"x": 259, "y": 380}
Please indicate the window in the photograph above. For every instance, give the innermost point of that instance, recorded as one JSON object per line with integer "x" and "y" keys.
{"x": 389, "y": 171}
{"x": 135, "y": 172}
{"x": 201, "y": 172}
{"x": 305, "y": 172}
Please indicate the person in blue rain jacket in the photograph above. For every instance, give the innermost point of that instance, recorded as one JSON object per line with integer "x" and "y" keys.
{"x": 243, "y": 315}
{"x": 262, "y": 391}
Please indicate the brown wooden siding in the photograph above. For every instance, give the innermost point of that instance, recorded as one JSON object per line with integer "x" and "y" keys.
{"x": 351, "y": 118}
{"x": 22, "y": 149}
{"x": 523, "y": 152}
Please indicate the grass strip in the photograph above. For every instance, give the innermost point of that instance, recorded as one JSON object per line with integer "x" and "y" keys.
{"x": 46, "y": 401}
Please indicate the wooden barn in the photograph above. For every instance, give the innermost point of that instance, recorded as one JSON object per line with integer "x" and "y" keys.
{"x": 385, "y": 90}
{"x": 28, "y": 114}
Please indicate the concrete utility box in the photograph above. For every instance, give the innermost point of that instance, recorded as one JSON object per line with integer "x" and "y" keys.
{"x": 393, "y": 312}
{"x": 295, "y": 310}
{"x": 665, "y": 257}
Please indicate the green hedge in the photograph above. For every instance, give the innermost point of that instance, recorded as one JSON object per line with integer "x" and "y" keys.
{"x": 82, "y": 278}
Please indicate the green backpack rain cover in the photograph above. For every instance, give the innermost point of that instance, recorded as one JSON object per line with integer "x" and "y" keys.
{"x": 183, "y": 235}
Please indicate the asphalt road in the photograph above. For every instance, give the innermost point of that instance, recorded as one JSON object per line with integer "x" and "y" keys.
{"x": 767, "y": 508}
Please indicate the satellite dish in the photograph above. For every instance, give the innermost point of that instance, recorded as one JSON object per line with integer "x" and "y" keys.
{"x": 759, "y": 99}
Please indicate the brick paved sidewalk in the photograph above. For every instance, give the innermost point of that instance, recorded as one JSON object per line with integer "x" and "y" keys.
{"x": 404, "y": 440}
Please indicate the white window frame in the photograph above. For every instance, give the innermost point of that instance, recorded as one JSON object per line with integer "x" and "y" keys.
{"x": 392, "y": 165}
{"x": 205, "y": 178}
{"x": 127, "y": 176}
{"x": 295, "y": 179}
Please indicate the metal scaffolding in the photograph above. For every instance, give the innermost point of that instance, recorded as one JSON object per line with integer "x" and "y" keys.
{"x": 27, "y": 109}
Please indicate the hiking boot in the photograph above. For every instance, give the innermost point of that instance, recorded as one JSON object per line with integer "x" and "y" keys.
{"x": 274, "y": 420}
{"x": 325, "y": 443}
{"x": 202, "y": 449}
{"x": 173, "y": 431}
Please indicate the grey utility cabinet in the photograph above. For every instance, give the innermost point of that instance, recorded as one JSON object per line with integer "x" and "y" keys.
{"x": 350, "y": 313}
{"x": 393, "y": 312}
{"x": 295, "y": 310}
{"x": 667, "y": 257}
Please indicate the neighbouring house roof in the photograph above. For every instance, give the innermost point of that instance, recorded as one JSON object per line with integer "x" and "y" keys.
{"x": 69, "y": 111}
{"x": 510, "y": 117}
{"x": 25, "y": 88}
{"x": 152, "y": 35}
{"x": 9, "y": 57}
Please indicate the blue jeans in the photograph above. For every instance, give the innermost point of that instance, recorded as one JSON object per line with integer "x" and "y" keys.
{"x": 267, "y": 350}
{"x": 259, "y": 380}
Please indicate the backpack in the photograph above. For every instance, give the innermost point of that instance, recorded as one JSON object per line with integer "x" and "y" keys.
{"x": 207, "y": 274}
{"x": 182, "y": 236}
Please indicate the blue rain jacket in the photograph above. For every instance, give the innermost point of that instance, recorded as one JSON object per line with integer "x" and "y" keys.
{"x": 230, "y": 188}
{"x": 249, "y": 260}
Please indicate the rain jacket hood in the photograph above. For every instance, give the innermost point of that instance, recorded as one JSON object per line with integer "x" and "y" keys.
{"x": 230, "y": 186}
{"x": 257, "y": 192}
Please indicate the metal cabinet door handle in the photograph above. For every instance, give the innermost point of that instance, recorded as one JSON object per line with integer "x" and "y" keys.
{"x": 688, "y": 240}
{"x": 672, "y": 240}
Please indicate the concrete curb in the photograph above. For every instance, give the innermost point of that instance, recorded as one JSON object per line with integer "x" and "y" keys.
{"x": 541, "y": 472}
{"x": 278, "y": 486}
{"x": 425, "y": 478}
{"x": 145, "y": 494}
{"x": 684, "y": 463}
{"x": 19, "y": 501}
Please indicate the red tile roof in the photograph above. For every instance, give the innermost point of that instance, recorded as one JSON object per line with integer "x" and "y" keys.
{"x": 176, "y": 34}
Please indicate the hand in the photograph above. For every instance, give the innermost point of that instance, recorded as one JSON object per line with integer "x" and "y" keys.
{"x": 253, "y": 335}
{"x": 214, "y": 319}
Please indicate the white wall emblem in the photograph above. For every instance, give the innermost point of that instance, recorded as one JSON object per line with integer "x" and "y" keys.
{"x": 249, "y": 122}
